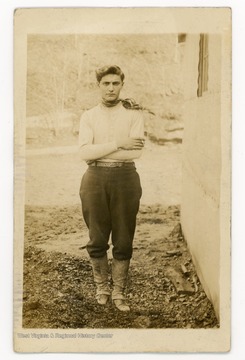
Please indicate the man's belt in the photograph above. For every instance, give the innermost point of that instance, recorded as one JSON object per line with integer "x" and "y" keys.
{"x": 111, "y": 164}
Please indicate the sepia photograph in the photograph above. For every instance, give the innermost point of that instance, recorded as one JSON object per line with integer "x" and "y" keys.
{"x": 122, "y": 180}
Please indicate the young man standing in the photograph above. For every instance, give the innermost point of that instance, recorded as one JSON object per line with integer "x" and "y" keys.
{"x": 111, "y": 136}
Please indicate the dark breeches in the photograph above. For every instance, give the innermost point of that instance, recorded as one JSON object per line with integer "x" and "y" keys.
{"x": 110, "y": 202}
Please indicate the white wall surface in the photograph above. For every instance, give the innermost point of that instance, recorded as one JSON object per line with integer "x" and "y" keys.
{"x": 202, "y": 166}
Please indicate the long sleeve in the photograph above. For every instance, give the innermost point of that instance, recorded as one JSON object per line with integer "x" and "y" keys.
{"x": 88, "y": 150}
{"x": 102, "y": 128}
{"x": 136, "y": 131}
{"x": 124, "y": 155}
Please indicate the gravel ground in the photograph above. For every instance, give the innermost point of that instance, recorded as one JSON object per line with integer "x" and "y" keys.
{"x": 58, "y": 285}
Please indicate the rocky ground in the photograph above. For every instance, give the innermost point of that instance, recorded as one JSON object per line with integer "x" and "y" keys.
{"x": 58, "y": 285}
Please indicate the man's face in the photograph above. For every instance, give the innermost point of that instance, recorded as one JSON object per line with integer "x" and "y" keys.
{"x": 110, "y": 87}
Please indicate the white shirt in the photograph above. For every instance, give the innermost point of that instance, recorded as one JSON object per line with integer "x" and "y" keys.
{"x": 101, "y": 127}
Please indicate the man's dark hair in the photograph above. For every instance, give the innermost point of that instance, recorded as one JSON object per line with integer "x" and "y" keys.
{"x": 109, "y": 69}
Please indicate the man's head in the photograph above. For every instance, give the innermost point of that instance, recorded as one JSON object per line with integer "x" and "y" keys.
{"x": 109, "y": 70}
{"x": 110, "y": 81}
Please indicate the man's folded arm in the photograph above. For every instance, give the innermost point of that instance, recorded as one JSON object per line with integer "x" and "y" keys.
{"x": 88, "y": 150}
{"x": 97, "y": 151}
{"x": 124, "y": 155}
{"x": 136, "y": 131}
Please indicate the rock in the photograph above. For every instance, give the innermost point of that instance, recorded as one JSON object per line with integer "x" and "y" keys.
{"x": 152, "y": 258}
{"x": 176, "y": 231}
{"x": 33, "y": 305}
{"x": 195, "y": 283}
{"x": 142, "y": 322}
{"x": 173, "y": 253}
{"x": 184, "y": 270}
{"x": 181, "y": 285}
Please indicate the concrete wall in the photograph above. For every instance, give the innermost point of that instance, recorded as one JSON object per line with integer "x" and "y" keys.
{"x": 202, "y": 166}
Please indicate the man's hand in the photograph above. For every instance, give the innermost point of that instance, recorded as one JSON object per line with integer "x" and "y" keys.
{"x": 131, "y": 143}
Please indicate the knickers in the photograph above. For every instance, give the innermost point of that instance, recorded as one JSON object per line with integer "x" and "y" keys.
{"x": 110, "y": 202}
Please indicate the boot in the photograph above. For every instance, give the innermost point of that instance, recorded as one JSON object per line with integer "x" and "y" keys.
{"x": 100, "y": 272}
{"x": 119, "y": 278}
